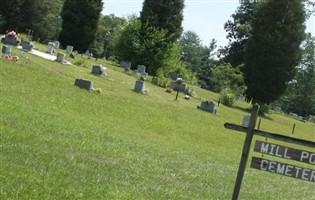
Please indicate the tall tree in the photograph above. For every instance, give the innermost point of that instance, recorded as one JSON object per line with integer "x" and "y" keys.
{"x": 109, "y": 26}
{"x": 40, "y": 16}
{"x": 225, "y": 76}
{"x": 126, "y": 42}
{"x": 273, "y": 50}
{"x": 238, "y": 29}
{"x": 300, "y": 95}
{"x": 161, "y": 25}
{"x": 11, "y": 12}
{"x": 163, "y": 14}
{"x": 197, "y": 57}
{"x": 80, "y": 22}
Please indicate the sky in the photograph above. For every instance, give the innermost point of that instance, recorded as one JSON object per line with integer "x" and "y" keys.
{"x": 204, "y": 17}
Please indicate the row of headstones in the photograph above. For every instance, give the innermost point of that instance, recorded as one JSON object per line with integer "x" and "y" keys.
{"x": 61, "y": 57}
{"x": 143, "y": 75}
{"x": 26, "y": 45}
{"x": 207, "y": 105}
{"x": 140, "y": 69}
{"x": 52, "y": 46}
{"x": 98, "y": 70}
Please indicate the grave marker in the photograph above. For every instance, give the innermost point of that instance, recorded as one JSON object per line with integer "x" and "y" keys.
{"x": 60, "y": 57}
{"x": 69, "y": 49}
{"x": 98, "y": 70}
{"x": 50, "y": 47}
{"x": 84, "y": 84}
{"x": 27, "y": 46}
{"x": 141, "y": 68}
{"x": 126, "y": 65}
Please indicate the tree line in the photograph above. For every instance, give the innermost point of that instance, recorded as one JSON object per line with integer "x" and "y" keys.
{"x": 269, "y": 58}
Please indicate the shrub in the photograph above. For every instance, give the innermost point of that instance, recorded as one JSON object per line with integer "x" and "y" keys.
{"x": 312, "y": 119}
{"x": 227, "y": 97}
{"x": 264, "y": 109}
{"x": 80, "y": 63}
{"x": 23, "y": 37}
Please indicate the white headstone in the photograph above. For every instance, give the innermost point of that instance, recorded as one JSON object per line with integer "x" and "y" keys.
{"x": 69, "y": 49}
{"x": 246, "y": 119}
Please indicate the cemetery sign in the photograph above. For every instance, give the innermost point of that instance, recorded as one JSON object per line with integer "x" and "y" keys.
{"x": 282, "y": 152}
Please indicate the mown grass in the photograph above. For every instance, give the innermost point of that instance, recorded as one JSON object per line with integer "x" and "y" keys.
{"x": 62, "y": 142}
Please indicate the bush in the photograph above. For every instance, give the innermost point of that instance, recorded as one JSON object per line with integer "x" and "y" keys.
{"x": 312, "y": 119}
{"x": 23, "y": 37}
{"x": 264, "y": 109}
{"x": 227, "y": 97}
{"x": 81, "y": 63}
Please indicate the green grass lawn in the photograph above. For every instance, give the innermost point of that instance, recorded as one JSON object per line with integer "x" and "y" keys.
{"x": 61, "y": 142}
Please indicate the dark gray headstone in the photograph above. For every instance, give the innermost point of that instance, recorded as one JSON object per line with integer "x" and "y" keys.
{"x": 85, "y": 84}
{"x": 98, "y": 70}
{"x": 140, "y": 87}
{"x": 125, "y": 64}
{"x": 11, "y": 40}
{"x": 28, "y": 46}
{"x": 60, "y": 57}
{"x": 179, "y": 87}
{"x": 141, "y": 68}
{"x": 173, "y": 76}
{"x": 155, "y": 80}
{"x": 144, "y": 75}
{"x": 208, "y": 105}
{"x": 5, "y": 49}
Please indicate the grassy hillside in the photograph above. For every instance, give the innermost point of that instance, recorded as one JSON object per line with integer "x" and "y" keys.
{"x": 61, "y": 142}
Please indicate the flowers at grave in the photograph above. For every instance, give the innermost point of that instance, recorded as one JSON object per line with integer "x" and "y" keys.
{"x": 13, "y": 34}
{"x": 26, "y": 60}
{"x": 15, "y": 58}
{"x": 208, "y": 102}
{"x": 8, "y": 57}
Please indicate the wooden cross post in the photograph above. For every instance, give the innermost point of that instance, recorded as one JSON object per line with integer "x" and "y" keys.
{"x": 245, "y": 153}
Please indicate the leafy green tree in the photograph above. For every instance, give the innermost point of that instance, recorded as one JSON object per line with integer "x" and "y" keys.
{"x": 300, "y": 95}
{"x": 11, "y": 11}
{"x": 80, "y": 22}
{"x": 225, "y": 76}
{"x": 191, "y": 49}
{"x": 197, "y": 57}
{"x": 238, "y": 29}
{"x": 163, "y": 14}
{"x": 160, "y": 27}
{"x": 40, "y": 16}
{"x": 273, "y": 49}
{"x": 109, "y": 27}
{"x": 126, "y": 44}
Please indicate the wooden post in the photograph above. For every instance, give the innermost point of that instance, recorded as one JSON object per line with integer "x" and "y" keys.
{"x": 245, "y": 153}
{"x": 259, "y": 123}
{"x": 293, "y": 128}
{"x": 176, "y": 95}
